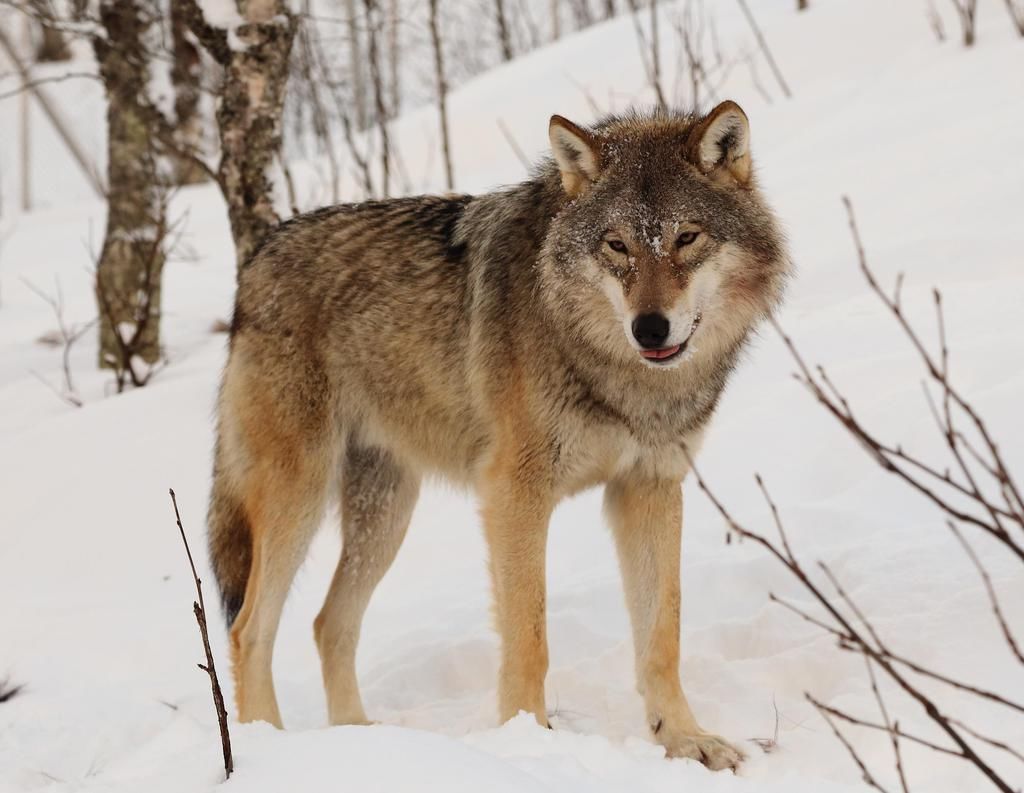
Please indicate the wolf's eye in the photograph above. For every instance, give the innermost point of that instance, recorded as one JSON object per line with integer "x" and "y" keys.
{"x": 617, "y": 245}
{"x": 686, "y": 238}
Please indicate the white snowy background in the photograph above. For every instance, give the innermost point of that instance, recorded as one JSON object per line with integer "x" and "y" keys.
{"x": 95, "y": 594}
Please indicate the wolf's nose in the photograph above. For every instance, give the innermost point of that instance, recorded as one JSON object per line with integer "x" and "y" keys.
{"x": 650, "y": 330}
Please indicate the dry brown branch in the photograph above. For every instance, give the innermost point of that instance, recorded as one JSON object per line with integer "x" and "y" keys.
{"x": 649, "y": 54}
{"x": 967, "y": 13}
{"x": 9, "y": 691}
{"x": 128, "y": 310}
{"x": 167, "y": 135}
{"x": 1016, "y": 14}
{"x": 763, "y": 44}
{"x": 700, "y": 54}
{"x": 81, "y": 25}
{"x": 907, "y": 467}
{"x": 67, "y": 336}
{"x": 54, "y": 116}
{"x": 58, "y": 78}
{"x": 952, "y": 397}
{"x": 935, "y": 22}
{"x": 769, "y": 745}
{"x": 969, "y": 499}
{"x": 755, "y": 78}
{"x": 863, "y": 641}
{"x": 892, "y": 727}
{"x": 993, "y": 599}
{"x": 995, "y": 744}
{"x": 889, "y": 728}
{"x": 199, "y": 607}
{"x": 865, "y": 774}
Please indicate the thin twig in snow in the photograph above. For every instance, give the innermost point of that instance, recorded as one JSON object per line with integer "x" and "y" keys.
{"x": 199, "y": 607}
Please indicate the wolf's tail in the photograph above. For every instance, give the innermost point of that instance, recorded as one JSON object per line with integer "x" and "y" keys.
{"x": 230, "y": 538}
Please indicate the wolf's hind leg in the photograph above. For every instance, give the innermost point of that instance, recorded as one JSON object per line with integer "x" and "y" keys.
{"x": 283, "y": 496}
{"x": 646, "y": 518}
{"x": 378, "y": 495}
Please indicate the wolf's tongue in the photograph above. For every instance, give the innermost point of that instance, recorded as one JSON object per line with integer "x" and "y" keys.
{"x": 658, "y": 354}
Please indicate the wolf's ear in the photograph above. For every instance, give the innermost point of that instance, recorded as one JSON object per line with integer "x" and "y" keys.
{"x": 720, "y": 144}
{"x": 577, "y": 154}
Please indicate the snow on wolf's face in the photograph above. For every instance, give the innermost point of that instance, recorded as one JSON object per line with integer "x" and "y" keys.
{"x": 666, "y": 246}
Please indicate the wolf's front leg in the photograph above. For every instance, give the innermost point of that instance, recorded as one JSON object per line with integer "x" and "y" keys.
{"x": 516, "y": 507}
{"x": 646, "y": 517}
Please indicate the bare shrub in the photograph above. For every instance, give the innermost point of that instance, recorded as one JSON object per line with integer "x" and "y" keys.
{"x": 976, "y": 492}
{"x": 701, "y": 58}
{"x": 65, "y": 337}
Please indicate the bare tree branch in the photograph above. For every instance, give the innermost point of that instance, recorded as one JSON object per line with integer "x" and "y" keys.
{"x": 967, "y": 12}
{"x": 763, "y": 44}
{"x": 69, "y": 334}
{"x": 865, "y": 774}
{"x": 980, "y": 471}
{"x": 59, "y": 78}
{"x": 1016, "y": 14}
{"x": 892, "y": 727}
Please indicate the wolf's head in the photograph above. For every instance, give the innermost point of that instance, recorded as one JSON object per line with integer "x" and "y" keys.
{"x": 665, "y": 244}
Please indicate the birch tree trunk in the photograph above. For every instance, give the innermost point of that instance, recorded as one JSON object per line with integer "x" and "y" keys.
{"x": 250, "y": 110}
{"x": 186, "y": 72}
{"x": 131, "y": 261}
{"x": 249, "y": 119}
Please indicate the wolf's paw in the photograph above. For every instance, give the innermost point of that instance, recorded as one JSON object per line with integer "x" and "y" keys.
{"x": 351, "y": 719}
{"x": 714, "y": 752}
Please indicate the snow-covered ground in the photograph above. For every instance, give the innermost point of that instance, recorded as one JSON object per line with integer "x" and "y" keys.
{"x": 95, "y": 595}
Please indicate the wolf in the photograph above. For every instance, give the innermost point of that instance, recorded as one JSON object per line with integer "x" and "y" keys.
{"x": 571, "y": 331}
